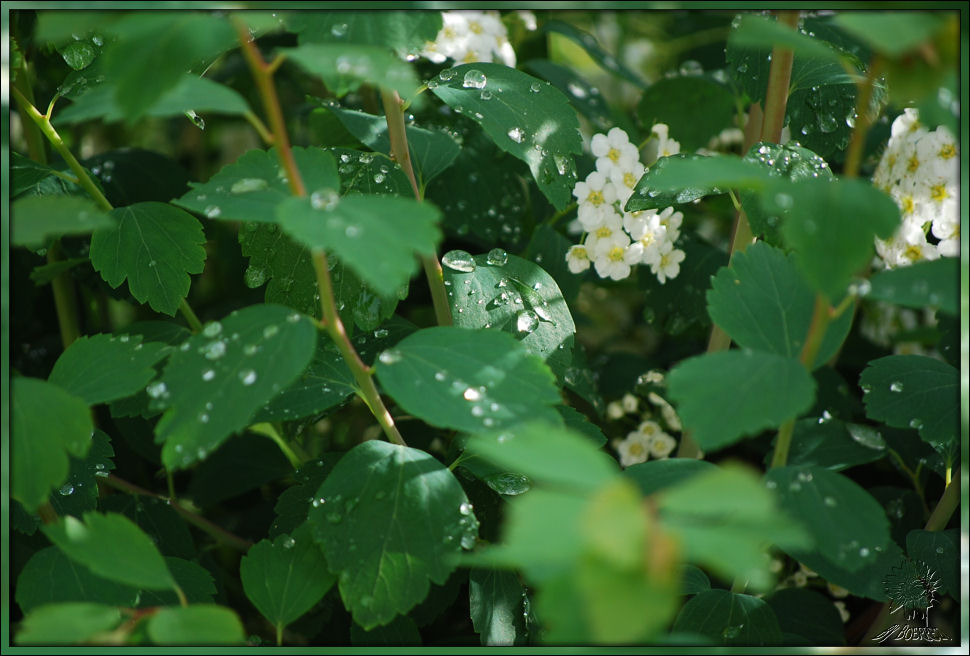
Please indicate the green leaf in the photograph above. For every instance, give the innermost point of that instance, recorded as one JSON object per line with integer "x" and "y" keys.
{"x": 656, "y": 475}
{"x": 929, "y": 282}
{"x": 695, "y": 107}
{"x": 766, "y": 390}
{"x": 344, "y": 67}
{"x": 38, "y": 218}
{"x": 466, "y": 380}
{"x": 807, "y": 613}
{"x": 505, "y": 292}
{"x": 523, "y": 116}
{"x": 939, "y": 550}
{"x": 683, "y": 178}
{"x": 586, "y": 98}
{"x": 327, "y": 381}
{"x": 292, "y": 505}
{"x": 237, "y": 466}
{"x": 390, "y": 520}
{"x": 135, "y": 175}
{"x": 79, "y": 493}
{"x": 787, "y": 161}
{"x": 725, "y": 518}
{"x": 155, "y": 50}
{"x": 729, "y": 619}
{"x": 253, "y": 186}
{"x": 577, "y": 421}
{"x": 194, "y": 580}
{"x": 915, "y": 391}
{"x": 849, "y": 526}
{"x": 399, "y": 30}
{"x": 866, "y": 581}
{"x": 286, "y": 577}
{"x": 495, "y": 603}
{"x": 377, "y": 237}
{"x": 217, "y": 379}
{"x": 694, "y": 580}
{"x": 832, "y": 444}
{"x": 371, "y": 173}
{"x": 763, "y": 303}
{"x": 158, "y": 519}
{"x": 102, "y": 368}
{"x": 283, "y": 265}
{"x": 48, "y": 424}
{"x": 198, "y": 624}
{"x": 45, "y": 273}
{"x": 51, "y": 577}
{"x": 67, "y": 624}
{"x": 890, "y": 33}
{"x": 432, "y": 151}
{"x": 588, "y": 42}
{"x": 191, "y": 92}
{"x": 759, "y": 32}
{"x": 79, "y": 54}
{"x": 831, "y": 225}
{"x": 112, "y": 546}
{"x": 155, "y": 247}
{"x": 26, "y": 175}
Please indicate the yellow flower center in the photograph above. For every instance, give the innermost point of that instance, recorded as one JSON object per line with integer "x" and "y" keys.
{"x": 948, "y": 151}
{"x": 448, "y": 32}
{"x": 907, "y": 205}
{"x": 636, "y": 449}
{"x": 939, "y": 193}
{"x": 629, "y": 180}
{"x": 596, "y": 197}
{"x": 603, "y": 232}
{"x": 474, "y": 27}
{"x": 580, "y": 253}
{"x": 912, "y": 164}
{"x": 616, "y": 254}
{"x": 913, "y": 253}
{"x": 614, "y": 155}
{"x": 892, "y": 160}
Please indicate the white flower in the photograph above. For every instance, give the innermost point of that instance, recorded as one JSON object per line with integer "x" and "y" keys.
{"x": 613, "y": 150}
{"x": 653, "y": 240}
{"x": 637, "y": 223}
{"x": 668, "y": 266}
{"x": 596, "y": 190}
{"x": 843, "y": 611}
{"x": 662, "y": 445}
{"x": 614, "y": 410}
{"x": 471, "y": 36}
{"x": 577, "y": 259}
{"x": 592, "y": 217}
{"x": 837, "y": 591}
{"x": 629, "y": 403}
{"x": 671, "y": 220}
{"x": 634, "y": 449}
{"x": 662, "y": 145}
{"x": 609, "y": 225}
{"x": 625, "y": 178}
{"x": 613, "y": 256}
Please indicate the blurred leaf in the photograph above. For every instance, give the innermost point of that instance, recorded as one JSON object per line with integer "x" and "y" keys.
{"x": 929, "y": 282}
{"x": 158, "y": 519}
{"x": 112, "y": 546}
{"x": 890, "y": 33}
{"x": 528, "y": 118}
{"x": 495, "y": 601}
{"x": 657, "y": 475}
{"x": 51, "y": 577}
{"x": 47, "y": 424}
{"x": 198, "y": 624}
{"x": 344, "y": 67}
{"x": 67, "y": 624}
{"x": 154, "y": 247}
{"x": 36, "y": 219}
{"x": 399, "y": 30}
{"x": 760, "y": 32}
{"x": 695, "y": 107}
{"x": 807, "y": 613}
{"x": 683, "y": 178}
{"x": 238, "y": 465}
{"x": 766, "y": 390}
{"x": 194, "y": 580}
{"x": 588, "y": 42}
{"x": 292, "y": 505}
{"x": 467, "y": 380}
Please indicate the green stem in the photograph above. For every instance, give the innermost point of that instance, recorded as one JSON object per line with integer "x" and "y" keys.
{"x": 555, "y": 218}
{"x": 366, "y": 389}
{"x": 269, "y": 431}
{"x": 183, "y": 600}
{"x": 220, "y": 534}
{"x": 260, "y": 127}
{"x": 394, "y": 115}
{"x": 863, "y": 121}
{"x": 32, "y": 135}
{"x": 190, "y": 316}
{"x": 279, "y": 634}
{"x": 779, "y": 80}
{"x": 65, "y": 300}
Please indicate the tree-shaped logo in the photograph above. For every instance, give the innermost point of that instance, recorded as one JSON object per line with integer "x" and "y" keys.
{"x": 912, "y": 585}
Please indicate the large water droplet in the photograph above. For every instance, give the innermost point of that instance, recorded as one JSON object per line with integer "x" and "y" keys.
{"x": 509, "y": 483}
{"x": 246, "y": 185}
{"x": 254, "y": 277}
{"x": 213, "y": 211}
{"x": 497, "y": 257}
{"x": 516, "y": 135}
{"x": 156, "y": 390}
{"x": 214, "y": 350}
{"x": 472, "y": 394}
{"x": 247, "y": 376}
{"x": 390, "y": 356}
{"x": 526, "y": 321}
{"x": 896, "y": 386}
{"x": 324, "y": 199}
{"x": 339, "y": 30}
{"x": 66, "y": 490}
{"x": 459, "y": 261}
{"x": 447, "y": 74}
{"x": 474, "y": 79}
{"x": 212, "y": 329}
{"x": 208, "y": 374}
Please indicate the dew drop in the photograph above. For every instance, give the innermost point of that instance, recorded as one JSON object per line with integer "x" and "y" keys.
{"x": 390, "y": 356}
{"x": 472, "y": 394}
{"x": 830, "y": 502}
{"x": 896, "y": 386}
{"x": 212, "y": 329}
{"x": 270, "y": 330}
{"x": 526, "y": 321}
{"x": 208, "y": 374}
{"x": 535, "y": 87}
{"x": 497, "y": 257}
{"x": 324, "y": 199}
{"x": 156, "y": 390}
{"x": 509, "y": 483}
{"x": 731, "y": 632}
{"x": 254, "y": 277}
{"x": 474, "y": 79}
{"x": 246, "y": 185}
{"x": 458, "y": 261}
{"x": 289, "y": 543}
{"x": 213, "y": 211}
{"x": 66, "y": 490}
{"x": 516, "y": 135}
{"x": 338, "y": 30}
{"x": 247, "y": 376}
{"x": 214, "y": 350}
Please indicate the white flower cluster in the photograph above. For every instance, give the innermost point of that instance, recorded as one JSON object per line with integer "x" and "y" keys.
{"x": 650, "y": 439}
{"x": 471, "y": 36}
{"x": 616, "y": 240}
{"x": 921, "y": 171}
